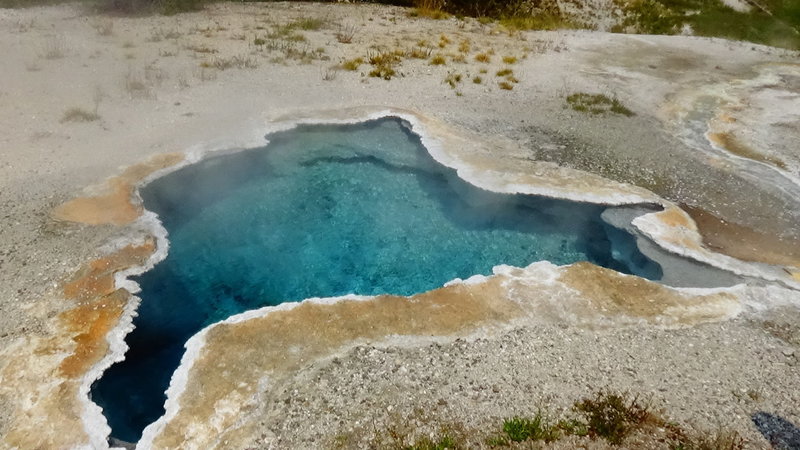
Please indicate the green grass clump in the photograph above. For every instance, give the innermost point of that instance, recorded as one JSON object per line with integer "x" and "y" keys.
{"x": 597, "y": 104}
{"x": 505, "y": 85}
{"x": 477, "y": 80}
{"x": 520, "y": 429}
{"x": 307, "y": 24}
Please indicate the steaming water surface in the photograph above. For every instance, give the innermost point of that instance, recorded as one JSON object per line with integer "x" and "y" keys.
{"x": 325, "y": 211}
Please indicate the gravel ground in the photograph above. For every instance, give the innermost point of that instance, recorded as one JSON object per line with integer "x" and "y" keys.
{"x": 737, "y": 368}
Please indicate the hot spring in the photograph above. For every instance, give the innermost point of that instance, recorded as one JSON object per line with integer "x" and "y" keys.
{"x": 323, "y": 211}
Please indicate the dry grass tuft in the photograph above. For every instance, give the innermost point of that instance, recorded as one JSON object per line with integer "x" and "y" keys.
{"x": 79, "y": 115}
{"x": 438, "y": 60}
{"x": 352, "y": 64}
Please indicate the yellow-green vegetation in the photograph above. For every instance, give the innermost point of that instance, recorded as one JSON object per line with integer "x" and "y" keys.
{"x": 505, "y": 72}
{"x": 438, "y": 60}
{"x": 444, "y": 41}
{"x": 288, "y": 31}
{"x": 79, "y": 115}
{"x": 771, "y": 22}
{"x": 464, "y": 46}
{"x": 384, "y": 63}
{"x": 308, "y": 24}
{"x": 606, "y": 416}
{"x": 453, "y": 79}
{"x": 420, "y": 53}
{"x": 483, "y": 57}
{"x": 597, "y": 104}
{"x": 477, "y": 80}
{"x": 352, "y": 64}
{"x": 505, "y": 85}
{"x": 510, "y": 59}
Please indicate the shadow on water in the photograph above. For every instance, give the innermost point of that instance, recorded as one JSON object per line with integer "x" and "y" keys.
{"x": 781, "y": 434}
{"x": 325, "y": 211}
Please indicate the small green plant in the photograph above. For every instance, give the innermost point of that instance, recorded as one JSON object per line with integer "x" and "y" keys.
{"x": 519, "y": 429}
{"x": 505, "y": 72}
{"x": 79, "y": 115}
{"x": 505, "y": 85}
{"x": 438, "y": 60}
{"x": 597, "y": 104}
{"x": 509, "y": 59}
{"x": 477, "y": 80}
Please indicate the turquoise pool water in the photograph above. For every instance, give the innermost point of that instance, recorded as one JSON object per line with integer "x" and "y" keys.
{"x": 326, "y": 211}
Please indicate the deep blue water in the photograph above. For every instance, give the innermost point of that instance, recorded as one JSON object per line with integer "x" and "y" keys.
{"x": 325, "y": 211}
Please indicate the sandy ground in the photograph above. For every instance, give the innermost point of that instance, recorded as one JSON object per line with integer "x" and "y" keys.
{"x": 160, "y": 85}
